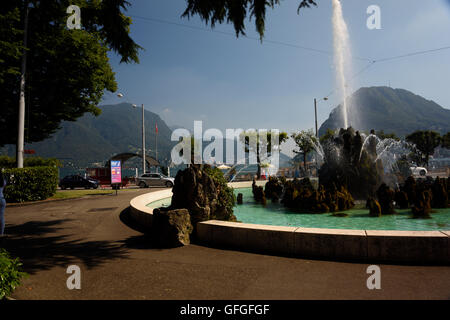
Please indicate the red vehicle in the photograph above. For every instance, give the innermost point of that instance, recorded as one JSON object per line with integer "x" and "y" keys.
{"x": 104, "y": 176}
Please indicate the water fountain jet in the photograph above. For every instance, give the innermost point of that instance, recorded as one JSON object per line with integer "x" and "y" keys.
{"x": 342, "y": 56}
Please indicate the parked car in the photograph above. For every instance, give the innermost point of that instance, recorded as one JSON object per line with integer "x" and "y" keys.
{"x": 155, "y": 180}
{"x": 418, "y": 171}
{"x": 76, "y": 181}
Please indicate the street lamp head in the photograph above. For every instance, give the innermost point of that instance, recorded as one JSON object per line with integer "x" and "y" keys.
{"x": 120, "y": 95}
{"x": 325, "y": 98}
{"x": 134, "y": 106}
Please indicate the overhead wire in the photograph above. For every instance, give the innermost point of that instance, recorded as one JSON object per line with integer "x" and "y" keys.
{"x": 276, "y": 42}
{"x": 286, "y": 44}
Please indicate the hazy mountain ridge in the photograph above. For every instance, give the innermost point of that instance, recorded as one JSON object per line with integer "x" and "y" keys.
{"x": 116, "y": 130}
{"x": 392, "y": 110}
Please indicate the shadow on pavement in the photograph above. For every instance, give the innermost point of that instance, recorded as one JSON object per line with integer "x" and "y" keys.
{"x": 39, "y": 251}
{"x": 140, "y": 242}
{"x": 127, "y": 220}
{"x": 143, "y": 241}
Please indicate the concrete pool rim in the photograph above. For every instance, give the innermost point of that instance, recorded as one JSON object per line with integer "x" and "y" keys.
{"x": 393, "y": 246}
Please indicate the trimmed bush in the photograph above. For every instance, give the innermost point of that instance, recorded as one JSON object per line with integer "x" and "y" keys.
{"x": 10, "y": 274}
{"x": 9, "y": 162}
{"x": 31, "y": 184}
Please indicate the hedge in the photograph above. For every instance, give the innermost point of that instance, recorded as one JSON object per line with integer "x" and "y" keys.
{"x": 10, "y": 162}
{"x": 30, "y": 184}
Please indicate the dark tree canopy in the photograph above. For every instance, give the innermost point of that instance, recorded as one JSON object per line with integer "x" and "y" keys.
{"x": 235, "y": 12}
{"x": 425, "y": 142}
{"x": 445, "y": 143}
{"x": 306, "y": 141}
{"x": 380, "y": 134}
{"x": 67, "y": 70}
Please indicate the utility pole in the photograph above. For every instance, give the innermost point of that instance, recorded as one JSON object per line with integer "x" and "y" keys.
{"x": 315, "y": 116}
{"x": 143, "y": 141}
{"x": 120, "y": 95}
{"x": 315, "y": 113}
{"x": 21, "y": 119}
{"x": 156, "y": 143}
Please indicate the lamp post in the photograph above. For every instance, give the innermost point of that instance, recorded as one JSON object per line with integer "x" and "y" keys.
{"x": 143, "y": 139}
{"x": 120, "y": 95}
{"x": 21, "y": 118}
{"x": 315, "y": 113}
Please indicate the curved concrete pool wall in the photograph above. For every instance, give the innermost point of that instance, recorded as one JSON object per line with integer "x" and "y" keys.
{"x": 423, "y": 247}
{"x": 144, "y": 215}
{"x": 139, "y": 210}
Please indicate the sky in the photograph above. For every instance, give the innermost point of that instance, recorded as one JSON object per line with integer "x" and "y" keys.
{"x": 188, "y": 74}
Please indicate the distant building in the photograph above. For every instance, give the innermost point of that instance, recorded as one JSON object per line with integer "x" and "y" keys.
{"x": 437, "y": 163}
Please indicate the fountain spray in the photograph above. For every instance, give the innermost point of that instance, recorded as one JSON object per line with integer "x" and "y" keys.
{"x": 342, "y": 55}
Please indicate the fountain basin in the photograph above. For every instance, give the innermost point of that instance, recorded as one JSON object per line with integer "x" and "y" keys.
{"x": 391, "y": 246}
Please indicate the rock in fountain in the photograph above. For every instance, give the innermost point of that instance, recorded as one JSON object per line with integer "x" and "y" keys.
{"x": 422, "y": 205}
{"x": 171, "y": 228}
{"x": 274, "y": 188}
{"x": 300, "y": 196}
{"x": 348, "y": 164}
{"x": 440, "y": 195}
{"x": 410, "y": 189}
{"x": 374, "y": 207}
{"x": 258, "y": 193}
{"x": 401, "y": 199}
{"x": 205, "y": 196}
{"x": 240, "y": 198}
{"x": 386, "y": 198}
{"x": 422, "y": 195}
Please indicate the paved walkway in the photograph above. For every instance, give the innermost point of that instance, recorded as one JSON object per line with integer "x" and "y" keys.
{"x": 117, "y": 263}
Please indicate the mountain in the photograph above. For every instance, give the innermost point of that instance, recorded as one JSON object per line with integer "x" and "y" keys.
{"x": 117, "y": 129}
{"x": 91, "y": 141}
{"x": 175, "y": 127}
{"x": 285, "y": 160}
{"x": 392, "y": 110}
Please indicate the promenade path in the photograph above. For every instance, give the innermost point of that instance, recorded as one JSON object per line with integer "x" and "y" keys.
{"x": 117, "y": 262}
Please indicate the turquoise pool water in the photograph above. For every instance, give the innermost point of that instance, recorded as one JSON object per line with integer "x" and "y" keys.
{"x": 278, "y": 215}
{"x": 160, "y": 203}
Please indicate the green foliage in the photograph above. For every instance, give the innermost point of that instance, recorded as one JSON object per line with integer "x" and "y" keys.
{"x": 9, "y": 162}
{"x": 235, "y": 12}
{"x": 227, "y": 197}
{"x": 305, "y": 141}
{"x": 380, "y": 134}
{"x": 445, "y": 141}
{"x": 10, "y": 274}
{"x": 329, "y": 134}
{"x": 31, "y": 184}
{"x": 68, "y": 71}
{"x": 425, "y": 142}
